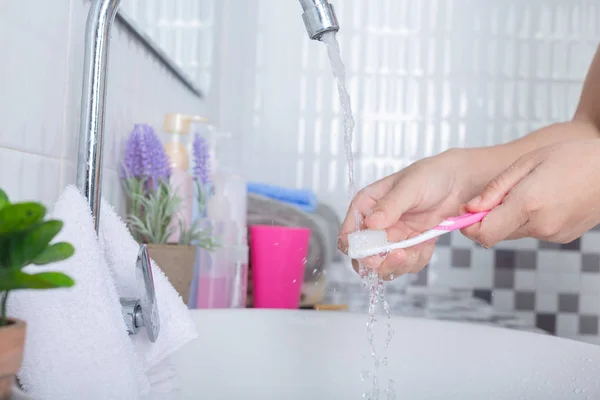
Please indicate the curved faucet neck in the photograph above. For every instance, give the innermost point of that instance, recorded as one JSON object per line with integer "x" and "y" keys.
{"x": 89, "y": 164}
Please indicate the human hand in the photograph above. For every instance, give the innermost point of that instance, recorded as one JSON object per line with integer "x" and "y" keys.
{"x": 552, "y": 194}
{"x": 412, "y": 201}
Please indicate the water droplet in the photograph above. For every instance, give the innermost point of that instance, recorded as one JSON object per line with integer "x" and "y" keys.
{"x": 315, "y": 271}
{"x": 364, "y": 375}
{"x": 294, "y": 281}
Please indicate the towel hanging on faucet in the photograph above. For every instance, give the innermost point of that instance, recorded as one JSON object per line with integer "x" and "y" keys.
{"x": 77, "y": 345}
{"x": 120, "y": 251}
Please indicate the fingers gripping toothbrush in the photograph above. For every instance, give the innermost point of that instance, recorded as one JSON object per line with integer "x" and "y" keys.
{"x": 369, "y": 242}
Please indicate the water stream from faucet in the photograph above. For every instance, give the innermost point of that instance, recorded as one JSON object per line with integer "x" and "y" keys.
{"x": 369, "y": 278}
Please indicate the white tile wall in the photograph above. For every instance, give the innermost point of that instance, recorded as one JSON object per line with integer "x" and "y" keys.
{"x": 41, "y": 68}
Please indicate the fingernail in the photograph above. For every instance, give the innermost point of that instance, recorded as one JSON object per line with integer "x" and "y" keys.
{"x": 474, "y": 201}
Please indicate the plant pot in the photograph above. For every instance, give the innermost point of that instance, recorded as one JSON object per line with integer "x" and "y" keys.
{"x": 177, "y": 262}
{"x": 12, "y": 343}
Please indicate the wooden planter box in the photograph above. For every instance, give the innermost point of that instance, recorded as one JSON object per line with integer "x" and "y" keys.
{"x": 177, "y": 262}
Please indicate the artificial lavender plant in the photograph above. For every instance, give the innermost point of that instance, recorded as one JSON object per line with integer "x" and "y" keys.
{"x": 145, "y": 174}
{"x": 201, "y": 174}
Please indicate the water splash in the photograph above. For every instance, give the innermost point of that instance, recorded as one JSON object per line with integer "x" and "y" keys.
{"x": 369, "y": 277}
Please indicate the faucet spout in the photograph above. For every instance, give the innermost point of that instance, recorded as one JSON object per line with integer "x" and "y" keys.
{"x": 319, "y": 18}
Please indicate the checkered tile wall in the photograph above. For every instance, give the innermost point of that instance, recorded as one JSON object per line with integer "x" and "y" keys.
{"x": 555, "y": 287}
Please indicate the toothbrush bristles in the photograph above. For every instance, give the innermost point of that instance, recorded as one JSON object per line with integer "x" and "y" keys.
{"x": 362, "y": 243}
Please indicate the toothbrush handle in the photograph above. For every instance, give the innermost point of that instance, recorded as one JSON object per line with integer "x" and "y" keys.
{"x": 456, "y": 223}
{"x": 448, "y": 225}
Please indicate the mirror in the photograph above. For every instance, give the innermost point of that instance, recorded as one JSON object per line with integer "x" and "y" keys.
{"x": 178, "y": 32}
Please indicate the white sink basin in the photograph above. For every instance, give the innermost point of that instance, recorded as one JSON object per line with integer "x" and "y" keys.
{"x": 272, "y": 354}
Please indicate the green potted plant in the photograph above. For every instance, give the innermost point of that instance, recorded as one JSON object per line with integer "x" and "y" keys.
{"x": 152, "y": 205}
{"x": 25, "y": 237}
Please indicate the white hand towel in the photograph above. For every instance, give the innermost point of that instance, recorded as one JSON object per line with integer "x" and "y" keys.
{"x": 164, "y": 382}
{"x": 176, "y": 326}
{"x": 77, "y": 346}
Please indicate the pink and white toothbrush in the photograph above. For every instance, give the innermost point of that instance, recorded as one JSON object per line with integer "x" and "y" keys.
{"x": 369, "y": 242}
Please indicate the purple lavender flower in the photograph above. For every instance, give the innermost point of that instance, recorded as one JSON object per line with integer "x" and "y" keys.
{"x": 145, "y": 157}
{"x": 201, "y": 159}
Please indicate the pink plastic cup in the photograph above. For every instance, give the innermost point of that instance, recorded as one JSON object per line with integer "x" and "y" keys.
{"x": 278, "y": 256}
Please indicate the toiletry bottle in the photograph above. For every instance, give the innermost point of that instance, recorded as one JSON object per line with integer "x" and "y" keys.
{"x": 227, "y": 207}
{"x": 177, "y": 128}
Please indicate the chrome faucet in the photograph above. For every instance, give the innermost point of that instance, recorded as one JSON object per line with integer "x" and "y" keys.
{"x": 141, "y": 311}
{"x": 319, "y": 18}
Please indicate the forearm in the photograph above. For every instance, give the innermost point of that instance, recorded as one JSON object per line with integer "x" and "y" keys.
{"x": 588, "y": 109}
{"x": 488, "y": 162}
{"x": 577, "y": 129}
{"x": 585, "y": 125}
{"x": 479, "y": 166}
{"x": 491, "y": 161}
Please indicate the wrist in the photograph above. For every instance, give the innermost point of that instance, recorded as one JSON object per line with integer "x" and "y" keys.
{"x": 476, "y": 167}
{"x": 584, "y": 127}
{"x": 579, "y": 128}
